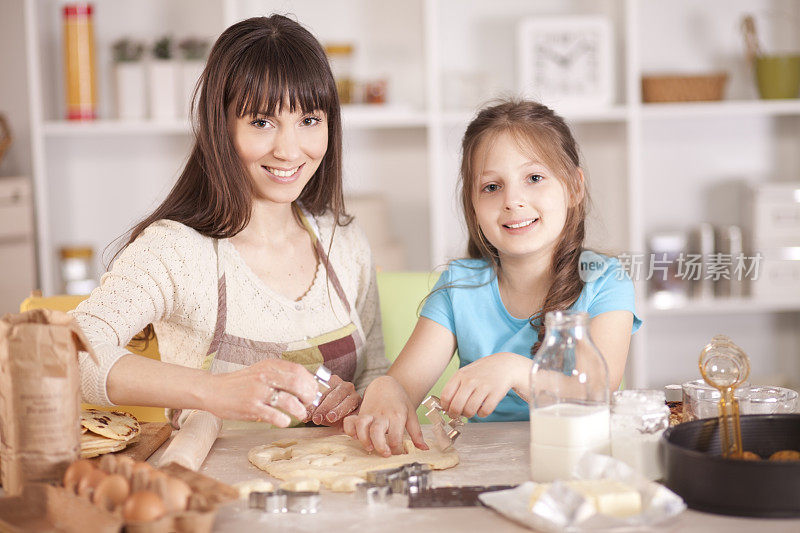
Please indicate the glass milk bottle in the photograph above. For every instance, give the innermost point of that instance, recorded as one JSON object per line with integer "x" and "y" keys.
{"x": 569, "y": 398}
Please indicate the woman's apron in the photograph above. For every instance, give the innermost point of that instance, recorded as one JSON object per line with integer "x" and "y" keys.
{"x": 336, "y": 349}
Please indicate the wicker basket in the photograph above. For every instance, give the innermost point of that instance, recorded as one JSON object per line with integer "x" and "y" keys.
{"x": 708, "y": 87}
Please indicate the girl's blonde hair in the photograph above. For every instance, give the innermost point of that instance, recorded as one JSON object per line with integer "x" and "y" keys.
{"x": 537, "y": 130}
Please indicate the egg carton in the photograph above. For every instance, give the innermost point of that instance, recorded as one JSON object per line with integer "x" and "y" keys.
{"x": 66, "y": 511}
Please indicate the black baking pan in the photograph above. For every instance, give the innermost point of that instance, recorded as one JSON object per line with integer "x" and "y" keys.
{"x": 695, "y": 469}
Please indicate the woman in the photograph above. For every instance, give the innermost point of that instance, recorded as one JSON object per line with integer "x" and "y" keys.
{"x": 250, "y": 267}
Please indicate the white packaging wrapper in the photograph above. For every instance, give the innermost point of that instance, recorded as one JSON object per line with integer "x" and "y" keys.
{"x": 192, "y": 442}
{"x": 563, "y": 509}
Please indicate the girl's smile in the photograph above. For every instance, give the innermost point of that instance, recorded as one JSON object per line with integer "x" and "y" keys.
{"x": 518, "y": 227}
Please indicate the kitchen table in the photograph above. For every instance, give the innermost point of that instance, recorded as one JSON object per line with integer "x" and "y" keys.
{"x": 491, "y": 454}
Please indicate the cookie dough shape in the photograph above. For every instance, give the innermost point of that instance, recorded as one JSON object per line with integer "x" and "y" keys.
{"x": 337, "y": 458}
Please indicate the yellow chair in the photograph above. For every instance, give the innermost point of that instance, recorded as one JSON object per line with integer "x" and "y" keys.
{"x": 66, "y": 303}
{"x": 400, "y": 293}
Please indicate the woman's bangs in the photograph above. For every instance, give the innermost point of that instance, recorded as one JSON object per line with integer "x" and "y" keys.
{"x": 288, "y": 85}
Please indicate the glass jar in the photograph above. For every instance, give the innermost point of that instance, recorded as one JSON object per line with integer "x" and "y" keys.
{"x": 638, "y": 418}
{"x": 569, "y": 397}
{"x": 340, "y": 57}
{"x": 76, "y": 270}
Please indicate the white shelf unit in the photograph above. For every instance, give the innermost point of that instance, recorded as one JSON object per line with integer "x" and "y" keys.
{"x": 650, "y": 165}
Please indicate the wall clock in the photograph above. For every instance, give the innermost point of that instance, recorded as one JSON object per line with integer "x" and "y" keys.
{"x": 566, "y": 61}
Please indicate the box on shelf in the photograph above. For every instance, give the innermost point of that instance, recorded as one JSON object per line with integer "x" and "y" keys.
{"x": 773, "y": 211}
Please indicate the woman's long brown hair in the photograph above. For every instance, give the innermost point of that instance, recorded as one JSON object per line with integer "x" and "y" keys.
{"x": 540, "y": 131}
{"x": 258, "y": 65}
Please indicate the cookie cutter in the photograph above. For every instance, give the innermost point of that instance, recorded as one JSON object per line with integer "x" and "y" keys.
{"x": 268, "y": 501}
{"x": 303, "y": 502}
{"x": 373, "y": 494}
{"x": 445, "y": 431}
{"x": 412, "y": 477}
{"x": 323, "y": 377}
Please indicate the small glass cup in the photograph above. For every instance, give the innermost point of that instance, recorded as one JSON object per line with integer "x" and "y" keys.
{"x": 701, "y": 400}
{"x": 768, "y": 401}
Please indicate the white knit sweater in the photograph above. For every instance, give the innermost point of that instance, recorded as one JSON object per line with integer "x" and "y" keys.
{"x": 168, "y": 277}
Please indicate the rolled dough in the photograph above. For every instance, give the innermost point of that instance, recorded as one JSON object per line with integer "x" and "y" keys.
{"x": 337, "y": 461}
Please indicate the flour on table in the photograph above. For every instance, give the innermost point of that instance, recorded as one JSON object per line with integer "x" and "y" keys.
{"x": 338, "y": 462}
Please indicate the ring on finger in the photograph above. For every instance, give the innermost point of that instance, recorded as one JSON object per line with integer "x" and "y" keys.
{"x": 272, "y": 401}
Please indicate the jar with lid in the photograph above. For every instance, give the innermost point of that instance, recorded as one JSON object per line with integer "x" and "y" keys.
{"x": 569, "y": 403}
{"x": 340, "y": 57}
{"x": 76, "y": 270}
{"x": 638, "y": 418}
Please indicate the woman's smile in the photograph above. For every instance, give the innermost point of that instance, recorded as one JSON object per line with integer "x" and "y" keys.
{"x": 281, "y": 175}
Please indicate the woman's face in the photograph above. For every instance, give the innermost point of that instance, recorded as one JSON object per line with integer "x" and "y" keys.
{"x": 280, "y": 152}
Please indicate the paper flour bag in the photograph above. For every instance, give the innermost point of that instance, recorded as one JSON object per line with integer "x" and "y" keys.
{"x": 39, "y": 396}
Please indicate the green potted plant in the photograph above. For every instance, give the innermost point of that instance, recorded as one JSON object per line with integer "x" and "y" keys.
{"x": 193, "y": 51}
{"x": 163, "y": 81}
{"x": 129, "y": 78}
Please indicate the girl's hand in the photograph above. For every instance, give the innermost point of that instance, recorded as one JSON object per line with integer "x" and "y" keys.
{"x": 385, "y": 414}
{"x": 337, "y": 402}
{"x": 478, "y": 387}
{"x": 265, "y": 391}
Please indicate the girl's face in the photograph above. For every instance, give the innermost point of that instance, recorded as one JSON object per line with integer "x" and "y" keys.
{"x": 520, "y": 205}
{"x": 280, "y": 152}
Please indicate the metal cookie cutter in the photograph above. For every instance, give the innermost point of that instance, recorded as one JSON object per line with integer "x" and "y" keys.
{"x": 323, "y": 377}
{"x": 445, "y": 432}
{"x": 373, "y": 494}
{"x": 408, "y": 478}
{"x": 303, "y": 502}
{"x": 383, "y": 478}
{"x": 270, "y": 502}
{"x": 416, "y": 478}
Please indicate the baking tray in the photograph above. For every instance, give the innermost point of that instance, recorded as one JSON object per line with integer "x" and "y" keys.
{"x": 694, "y": 468}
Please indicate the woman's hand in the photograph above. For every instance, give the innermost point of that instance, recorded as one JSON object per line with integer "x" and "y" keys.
{"x": 337, "y": 402}
{"x": 267, "y": 391}
{"x": 385, "y": 414}
{"x": 478, "y": 387}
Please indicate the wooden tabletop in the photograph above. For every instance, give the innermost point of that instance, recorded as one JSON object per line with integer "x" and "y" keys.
{"x": 491, "y": 454}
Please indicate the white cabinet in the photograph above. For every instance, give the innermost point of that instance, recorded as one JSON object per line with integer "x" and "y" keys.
{"x": 651, "y": 166}
{"x": 17, "y": 255}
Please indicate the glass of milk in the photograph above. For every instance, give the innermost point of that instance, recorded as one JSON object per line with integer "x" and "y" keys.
{"x": 569, "y": 398}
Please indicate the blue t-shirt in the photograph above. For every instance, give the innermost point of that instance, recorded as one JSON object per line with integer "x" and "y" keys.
{"x": 471, "y": 308}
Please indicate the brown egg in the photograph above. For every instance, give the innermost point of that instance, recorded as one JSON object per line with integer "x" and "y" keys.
{"x": 153, "y": 479}
{"x": 750, "y": 456}
{"x": 125, "y": 466}
{"x": 143, "y": 506}
{"x": 75, "y": 472}
{"x": 785, "y": 455}
{"x": 108, "y": 463}
{"x": 111, "y": 492}
{"x": 176, "y": 494}
{"x": 89, "y": 482}
{"x": 141, "y": 466}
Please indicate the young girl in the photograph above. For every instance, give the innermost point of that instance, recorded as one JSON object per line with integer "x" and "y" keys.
{"x": 238, "y": 269}
{"x": 524, "y": 196}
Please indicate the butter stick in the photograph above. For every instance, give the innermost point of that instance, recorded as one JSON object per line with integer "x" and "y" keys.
{"x": 609, "y": 497}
